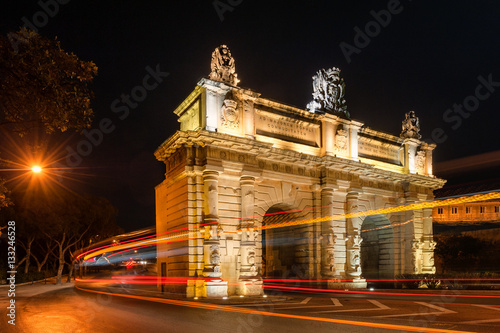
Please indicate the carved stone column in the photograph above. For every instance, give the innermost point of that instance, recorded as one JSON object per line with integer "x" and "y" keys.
{"x": 214, "y": 286}
{"x": 428, "y": 255}
{"x": 249, "y": 118}
{"x": 410, "y": 152}
{"x": 428, "y": 244}
{"x": 215, "y": 93}
{"x": 427, "y": 149}
{"x": 249, "y": 281}
{"x": 416, "y": 259}
{"x": 328, "y": 134}
{"x": 353, "y": 240}
{"x": 328, "y": 238}
{"x": 354, "y": 127}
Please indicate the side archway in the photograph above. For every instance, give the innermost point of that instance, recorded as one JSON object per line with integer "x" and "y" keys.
{"x": 280, "y": 245}
{"x": 377, "y": 248}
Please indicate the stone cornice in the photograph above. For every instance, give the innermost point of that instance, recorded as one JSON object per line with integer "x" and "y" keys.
{"x": 381, "y": 135}
{"x": 190, "y": 99}
{"x": 266, "y": 151}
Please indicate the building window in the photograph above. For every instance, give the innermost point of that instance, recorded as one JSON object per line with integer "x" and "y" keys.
{"x": 454, "y": 210}
{"x": 482, "y": 209}
{"x": 496, "y": 209}
{"x": 440, "y": 211}
{"x": 467, "y": 210}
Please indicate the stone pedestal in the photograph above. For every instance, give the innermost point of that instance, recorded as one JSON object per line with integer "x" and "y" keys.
{"x": 346, "y": 284}
{"x": 206, "y": 287}
{"x": 215, "y": 288}
{"x": 250, "y": 287}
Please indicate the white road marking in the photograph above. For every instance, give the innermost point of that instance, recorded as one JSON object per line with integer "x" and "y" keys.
{"x": 336, "y": 302}
{"x": 306, "y": 300}
{"x": 487, "y": 307}
{"x": 432, "y": 306}
{"x": 379, "y": 306}
{"x": 305, "y": 307}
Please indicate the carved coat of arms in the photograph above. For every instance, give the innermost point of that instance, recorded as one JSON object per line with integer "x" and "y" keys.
{"x": 341, "y": 142}
{"x": 328, "y": 92}
{"x": 420, "y": 162}
{"x": 230, "y": 113}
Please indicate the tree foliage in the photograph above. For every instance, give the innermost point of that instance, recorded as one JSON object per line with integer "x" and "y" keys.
{"x": 41, "y": 85}
{"x": 463, "y": 253}
{"x": 4, "y": 199}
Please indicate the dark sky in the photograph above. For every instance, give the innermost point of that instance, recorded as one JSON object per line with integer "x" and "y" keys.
{"x": 427, "y": 57}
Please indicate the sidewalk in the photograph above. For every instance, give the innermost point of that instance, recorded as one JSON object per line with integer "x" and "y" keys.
{"x": 29, "y": 289}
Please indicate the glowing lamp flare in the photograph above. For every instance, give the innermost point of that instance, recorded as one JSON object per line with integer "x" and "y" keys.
{"x": 36, "y": 169}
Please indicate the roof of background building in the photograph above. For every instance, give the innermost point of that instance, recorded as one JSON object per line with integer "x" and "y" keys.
{"x": 472, "y": 174}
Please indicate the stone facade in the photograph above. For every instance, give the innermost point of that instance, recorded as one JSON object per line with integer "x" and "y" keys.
{"x": 240, "y": 160}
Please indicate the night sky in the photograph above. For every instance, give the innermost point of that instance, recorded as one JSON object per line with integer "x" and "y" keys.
{"x": 427, "y": 56}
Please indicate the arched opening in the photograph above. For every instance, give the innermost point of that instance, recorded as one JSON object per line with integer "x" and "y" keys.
{"x": 377, "y": 248}
{"x": 279, "y": 245}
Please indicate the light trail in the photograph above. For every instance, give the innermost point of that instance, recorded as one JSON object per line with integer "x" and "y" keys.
{"x": 379, "y": 280}
{"x": 179, "y": 235}
{"x": 388, "y": 226}
{"x": 227, "y": 308}
{"x": 154, "y": 280}
{"x": 330, "y": 291}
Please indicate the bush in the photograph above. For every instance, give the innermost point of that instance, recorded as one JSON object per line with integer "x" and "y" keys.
{"x": 414, "y": 281}
{"x": 472, "y": 280}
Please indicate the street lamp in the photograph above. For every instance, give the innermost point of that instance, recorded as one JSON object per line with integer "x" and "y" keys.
{"x": 36, "y": 169}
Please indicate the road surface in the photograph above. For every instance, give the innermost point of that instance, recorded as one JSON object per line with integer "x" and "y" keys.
{"x": 67, "y": 309}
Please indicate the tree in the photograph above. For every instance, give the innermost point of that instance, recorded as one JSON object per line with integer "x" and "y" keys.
{"x": 43, "y": 85}
{"x": 75, "y": 218}
{"x": 42, "y": 88}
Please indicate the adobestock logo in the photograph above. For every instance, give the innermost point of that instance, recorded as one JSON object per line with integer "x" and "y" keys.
{"x": 222, "y": 7}
{"x": 470, "y": 104}
{"x": 120, "y": 106}
{"x": 50, "y": 8}
{"x": 372, "y": 29}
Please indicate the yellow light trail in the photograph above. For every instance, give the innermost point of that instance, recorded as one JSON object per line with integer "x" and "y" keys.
{"x": 195, "y": 232}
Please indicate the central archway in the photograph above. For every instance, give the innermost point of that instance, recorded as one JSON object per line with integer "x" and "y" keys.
{"x": 377, "y": 248}
{"x": 279, "y": 245}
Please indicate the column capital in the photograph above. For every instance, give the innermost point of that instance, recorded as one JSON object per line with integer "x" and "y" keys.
{"x": 353, "y": 193}
{"x": 328, "y": 187}
{"x": 211, "y": 174}
{"x": 247, "y": 180}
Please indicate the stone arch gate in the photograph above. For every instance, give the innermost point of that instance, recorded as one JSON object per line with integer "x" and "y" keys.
{"x": 238, "y": 157}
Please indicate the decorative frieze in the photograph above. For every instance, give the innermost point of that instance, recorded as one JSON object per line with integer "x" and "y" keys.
{"x": 290, "y": 129}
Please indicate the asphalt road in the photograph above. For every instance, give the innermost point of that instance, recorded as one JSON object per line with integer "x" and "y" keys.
{"x": 66, "y": 309}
